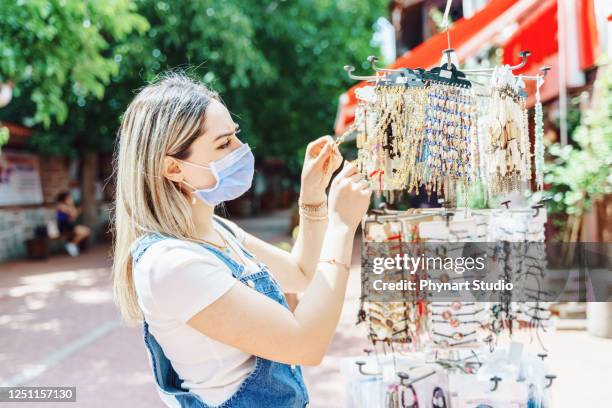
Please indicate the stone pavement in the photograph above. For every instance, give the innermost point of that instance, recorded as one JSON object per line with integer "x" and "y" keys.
{"x": 59, "y": 326}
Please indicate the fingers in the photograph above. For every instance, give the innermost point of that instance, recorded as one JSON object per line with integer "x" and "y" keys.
{"x": 336, "y": 158}
{"x": 366, "y": 188}
{"x": 360, "y": 183}
{"x": 325, "y": 157}
{"x": 323, "y": 153}
{"x": 349, "y": 175}
{"x": 357, "y": 177}
{"x": 314, "y": 148}
{"x": 348, "y": 170}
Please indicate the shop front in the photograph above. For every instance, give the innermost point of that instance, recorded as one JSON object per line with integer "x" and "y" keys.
{"x": 29, "y": 186}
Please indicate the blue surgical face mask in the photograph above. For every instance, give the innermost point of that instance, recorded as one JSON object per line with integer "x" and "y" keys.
{"x": 233, "y": 174}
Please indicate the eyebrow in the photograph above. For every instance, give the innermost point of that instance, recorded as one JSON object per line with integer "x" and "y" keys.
{"x": 227, "y": 133}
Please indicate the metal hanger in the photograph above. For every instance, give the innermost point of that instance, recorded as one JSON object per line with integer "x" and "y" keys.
{"x": 404, "y": 377}
{"x": 523, "y": 54}
{"x": 448, "y": 73}
{"x": 360, "y": 364}
{"x": 539, "y": 77}
{"x": 349, "y": 70}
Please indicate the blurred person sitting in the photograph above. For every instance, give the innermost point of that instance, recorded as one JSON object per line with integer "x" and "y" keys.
{"x": 66, "y": 215}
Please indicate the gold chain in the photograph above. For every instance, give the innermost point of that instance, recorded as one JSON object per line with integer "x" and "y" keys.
{"x": 213, "y": 244}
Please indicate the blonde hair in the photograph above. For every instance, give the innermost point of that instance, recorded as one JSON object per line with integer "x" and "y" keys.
{"x": 164, "y": 118}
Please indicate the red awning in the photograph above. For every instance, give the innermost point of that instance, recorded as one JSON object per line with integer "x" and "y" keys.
{"x": 544, "y": 22}
{"x": 538, "y": 34}
{"x": 529, "y": 36}
{"x": 587, "y": 32}
{"x": 467, "y": 36}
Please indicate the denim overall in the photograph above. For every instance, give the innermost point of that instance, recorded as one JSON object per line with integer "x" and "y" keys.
{"x": 269, "y": 385}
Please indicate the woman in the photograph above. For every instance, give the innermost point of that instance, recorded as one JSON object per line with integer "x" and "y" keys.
{"x": 66, "y": 215}
{"x": 216, "y": 323}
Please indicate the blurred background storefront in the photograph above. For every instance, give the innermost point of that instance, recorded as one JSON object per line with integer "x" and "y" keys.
{"x": 30, "y": 183}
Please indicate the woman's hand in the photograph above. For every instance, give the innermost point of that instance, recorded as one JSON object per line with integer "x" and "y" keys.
{"x": 349, "y": 198}
{"x": 322, "y": 159}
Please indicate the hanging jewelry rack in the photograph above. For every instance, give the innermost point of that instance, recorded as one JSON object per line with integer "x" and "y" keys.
{"x": 446, "y": 53}
{"x": 438, "y": 170}
{"x": 403, "y": 77}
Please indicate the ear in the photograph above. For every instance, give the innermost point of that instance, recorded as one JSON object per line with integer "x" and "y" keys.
{"x": 172, "y": 170}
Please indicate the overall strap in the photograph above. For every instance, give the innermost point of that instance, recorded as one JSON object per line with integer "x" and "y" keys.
{"x": 224, "y": 225}
{"x": 143, "y": 243}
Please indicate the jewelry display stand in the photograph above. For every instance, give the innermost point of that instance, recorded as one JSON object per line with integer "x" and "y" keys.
{"x": 441, "y": 131}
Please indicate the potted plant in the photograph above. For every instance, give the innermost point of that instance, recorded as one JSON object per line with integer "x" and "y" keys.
{"x": 580, "y": 177}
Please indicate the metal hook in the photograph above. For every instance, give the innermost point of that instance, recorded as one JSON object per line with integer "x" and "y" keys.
{"x": 496, "y": 381}
{"x": 505, "y": 204}
{"x": 384, "y": 207}
{"x": 367, "y": 350}
{"x": 447, "y": 216}
{"x": 477, "y": 359}
{"x": 542, "y": 356}
{"x": 360, "y": 364}
{"x": 403, "y": 377}
{"x": 373, "y": 60}
{"x": 545, "y": 70}
{"x": 524, "y": 55}
{"x": 349, "y": 70}
{"x": 448, "y": 53}
{"x": 550, "y": 378}
{"x": 537, "y": 208}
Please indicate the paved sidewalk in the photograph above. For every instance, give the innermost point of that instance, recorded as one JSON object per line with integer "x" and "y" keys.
{"x": 59, "y": 326}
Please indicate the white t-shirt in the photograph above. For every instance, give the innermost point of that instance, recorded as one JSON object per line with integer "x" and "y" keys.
{"x": 176, "y": 279}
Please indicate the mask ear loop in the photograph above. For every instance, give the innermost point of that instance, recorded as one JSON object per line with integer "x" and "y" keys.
{"x": 193, "y": 198}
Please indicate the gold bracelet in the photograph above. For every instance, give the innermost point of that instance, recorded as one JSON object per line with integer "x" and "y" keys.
{"x": 312, "y": 207}
{"x": 313, "y": 211}
{"x": 313, "y": 217}
{"x": 333, "y": 261}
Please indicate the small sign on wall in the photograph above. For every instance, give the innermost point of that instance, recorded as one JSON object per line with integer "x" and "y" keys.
{"x": 19, "y": 179}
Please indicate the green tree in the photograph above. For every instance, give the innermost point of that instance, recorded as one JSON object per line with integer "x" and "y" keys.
{"x": 278, "y": 66}
{"x": 579, "y": 175}
{"x": 54, "y": 49}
